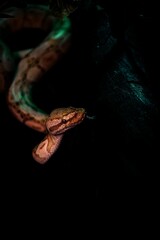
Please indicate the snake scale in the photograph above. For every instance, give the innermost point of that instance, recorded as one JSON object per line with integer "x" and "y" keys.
{"x": 30, "y": 68}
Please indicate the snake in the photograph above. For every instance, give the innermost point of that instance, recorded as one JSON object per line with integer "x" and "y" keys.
{"x": 31, "y": 67}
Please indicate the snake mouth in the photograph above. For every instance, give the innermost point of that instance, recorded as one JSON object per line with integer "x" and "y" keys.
{"x": 80, "y": 117}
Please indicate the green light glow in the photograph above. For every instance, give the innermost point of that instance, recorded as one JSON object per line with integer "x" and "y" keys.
{"x": 60, "y": 28}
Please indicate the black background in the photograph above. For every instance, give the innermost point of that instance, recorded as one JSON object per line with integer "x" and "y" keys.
{"x": 122, "y": 140}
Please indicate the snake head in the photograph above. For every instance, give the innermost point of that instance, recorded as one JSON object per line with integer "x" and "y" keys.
{"x": 63, "y": 119}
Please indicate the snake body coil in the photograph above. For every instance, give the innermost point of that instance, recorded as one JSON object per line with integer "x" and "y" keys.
{"x": 33, "y": 65}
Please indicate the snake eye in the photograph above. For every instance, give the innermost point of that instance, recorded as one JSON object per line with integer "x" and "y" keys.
{"x": 64, "y": 120}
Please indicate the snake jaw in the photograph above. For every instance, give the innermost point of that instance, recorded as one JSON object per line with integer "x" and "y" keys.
{"x": 63, "y": 119}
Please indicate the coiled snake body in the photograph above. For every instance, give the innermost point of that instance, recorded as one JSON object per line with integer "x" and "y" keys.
{"x": 31, "y": 68}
